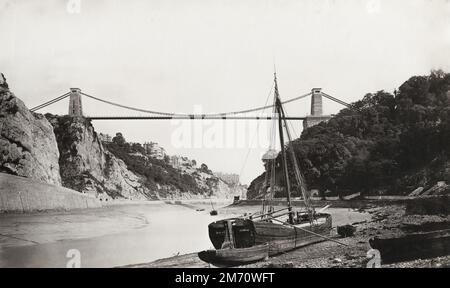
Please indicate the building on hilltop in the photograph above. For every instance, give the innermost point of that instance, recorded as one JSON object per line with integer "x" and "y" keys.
{"x": 175, "y": 161}
{"x": 154, "y": 150}
{"x": 179, "y": 161}
{"x": 229, "y": 178}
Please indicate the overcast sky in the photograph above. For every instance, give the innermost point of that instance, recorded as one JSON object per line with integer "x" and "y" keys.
{"x": 214, "y": 56}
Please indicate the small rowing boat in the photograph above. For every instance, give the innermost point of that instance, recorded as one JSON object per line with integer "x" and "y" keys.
{"x": 234, "y": 257}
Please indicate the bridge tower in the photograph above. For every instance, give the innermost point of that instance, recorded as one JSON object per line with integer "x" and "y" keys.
{"x": 316, "y": 102}
{"x": 316, "y": 110}
{"x": 75, "y": 105}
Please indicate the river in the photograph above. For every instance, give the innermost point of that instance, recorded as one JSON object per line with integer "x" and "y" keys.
{"x": 113, "y": 236}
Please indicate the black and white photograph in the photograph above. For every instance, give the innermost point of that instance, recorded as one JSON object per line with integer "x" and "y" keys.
{"x": 250, "y": 134}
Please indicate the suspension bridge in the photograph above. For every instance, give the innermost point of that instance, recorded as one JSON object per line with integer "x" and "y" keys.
{"x": 76, "y": 109}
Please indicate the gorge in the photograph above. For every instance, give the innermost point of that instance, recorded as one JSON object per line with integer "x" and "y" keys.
{"x": 67, "y": 151}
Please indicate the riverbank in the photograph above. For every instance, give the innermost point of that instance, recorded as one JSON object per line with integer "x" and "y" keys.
{"x": 110, "y": 236}
{"x": 370, "y": 219}
{"x": 341, "y": 216}
{"x": 126, "y": 235}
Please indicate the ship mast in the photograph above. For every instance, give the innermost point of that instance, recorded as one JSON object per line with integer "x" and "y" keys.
{"x": 279, "y": 111}
{"x": 297, "y": 173}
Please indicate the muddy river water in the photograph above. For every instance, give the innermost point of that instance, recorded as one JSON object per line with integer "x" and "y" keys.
{"x": 115, "y": 236}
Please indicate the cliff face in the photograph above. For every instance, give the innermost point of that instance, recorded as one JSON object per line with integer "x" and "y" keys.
{"x": 125, "y": 170}
{"x": 66, "y": 151}
{"x": 254, "y": 190}
{"x": 170, "y": 177}
{"x": 207, "y": 182}
{"x": 27, "y": 144}
{"x": 87, "y": 167}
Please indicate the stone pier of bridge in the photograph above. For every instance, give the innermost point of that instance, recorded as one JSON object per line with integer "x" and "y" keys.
{"x": 316, "y": 115}
{"x": 75, "y": 104}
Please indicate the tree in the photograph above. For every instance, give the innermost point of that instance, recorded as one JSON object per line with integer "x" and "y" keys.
{"x": 381, "y": 142}
{"x": 204, "y": 168}
{"x": 119, "y": 139}
{"x": 3, "y": 82}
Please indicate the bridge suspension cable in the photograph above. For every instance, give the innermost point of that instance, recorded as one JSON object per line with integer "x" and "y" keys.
{"x": 335, "y": 99}
{"x": 54, "y": 100}
{"x": 167, "y": 115}
{"x": 225, "y": 114}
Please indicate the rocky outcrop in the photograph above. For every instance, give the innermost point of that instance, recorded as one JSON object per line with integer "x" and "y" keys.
{"x": 254, "y": 191}
{"x": 27, "y": 144}
{"x": 89, "y": 168}
{"x": 207, "y": 181}
{"x": 106, "y": 170}
{"x": 66, "y": 151}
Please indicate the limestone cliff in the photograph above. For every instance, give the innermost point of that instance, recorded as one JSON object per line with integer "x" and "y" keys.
{"x": 207, "y": 182}
{"x": 125, "y": 170}
{"x": 66, "y": 151}
{"x": 89, "y": 168}
{"x": 173, "y": 177}
{"x": 27, "y": 144}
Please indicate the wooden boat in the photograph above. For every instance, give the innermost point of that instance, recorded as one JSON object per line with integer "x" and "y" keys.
{"x": 234, "y": 257}
{"x": 279, "y": 236}
{"x": 412, "y": 246}
{"x": 281, "y": 230}
{"x": 232, "y": 239}
{"x": 282, "y": 237}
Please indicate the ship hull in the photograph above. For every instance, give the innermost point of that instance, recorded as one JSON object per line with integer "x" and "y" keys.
{"x": 279, "y": 237}
{"x": 282, "y": 238}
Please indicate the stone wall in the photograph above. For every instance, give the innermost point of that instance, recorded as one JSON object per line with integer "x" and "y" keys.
{"x": 19, "y": 194}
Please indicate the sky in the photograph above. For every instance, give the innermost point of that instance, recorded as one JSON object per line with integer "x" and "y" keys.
{"x": 214, "y": 56}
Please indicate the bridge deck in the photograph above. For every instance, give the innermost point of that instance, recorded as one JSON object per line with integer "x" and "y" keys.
{"x": 193, "y": 117}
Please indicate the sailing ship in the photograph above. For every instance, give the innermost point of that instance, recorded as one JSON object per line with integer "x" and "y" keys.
{"x": 269, "y": 232}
